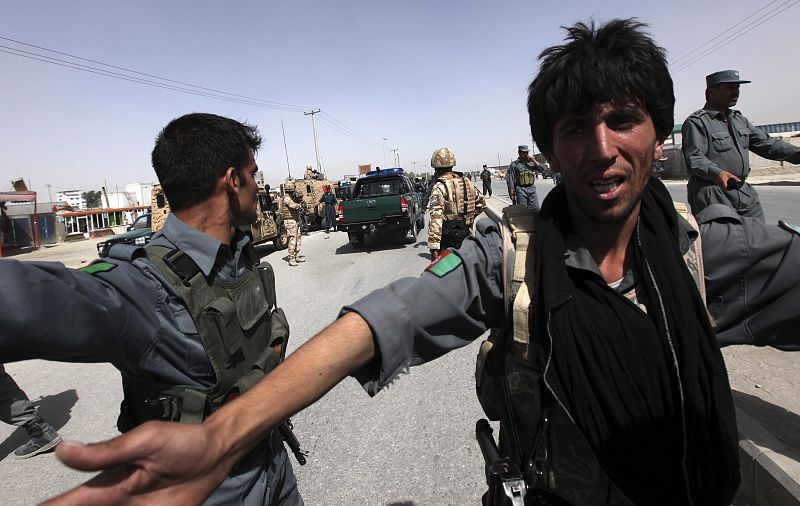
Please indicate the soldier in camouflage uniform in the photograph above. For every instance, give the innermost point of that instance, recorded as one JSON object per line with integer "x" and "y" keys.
{"x": 291, "y": 216}
{"x": 454, "y": 203}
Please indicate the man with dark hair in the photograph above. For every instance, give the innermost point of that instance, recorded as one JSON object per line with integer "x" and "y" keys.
{"x": 615, "y": 392}
{"x": 189, "y": 320}
{"x": 717, "y": 141}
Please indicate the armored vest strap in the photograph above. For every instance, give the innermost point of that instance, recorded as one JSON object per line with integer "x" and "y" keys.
{"x": 517, "y": 228}
{"x": 126, "y": 252}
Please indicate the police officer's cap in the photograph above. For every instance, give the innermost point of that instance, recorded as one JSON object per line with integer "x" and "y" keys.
{"x": 724, "y": 76}
{"x": 523, "y": 148}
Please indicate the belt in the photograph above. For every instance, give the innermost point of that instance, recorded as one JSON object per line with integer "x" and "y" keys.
{"x": 525, "y": 185}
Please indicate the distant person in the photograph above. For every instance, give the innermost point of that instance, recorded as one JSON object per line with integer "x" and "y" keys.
{"x": 486, "y": 177}
{"x": 17, "y": 409}
{"x": 311, "y": 173}
{"x": 292, "y": 211}
{"x": 716, "y": 145}
{"x": 454, "y": 204}
{"x": 521, "y": 178}
{"x": 329, "y": 199}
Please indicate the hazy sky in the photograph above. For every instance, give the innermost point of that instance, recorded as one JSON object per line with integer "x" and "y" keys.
{"x": 422, "y": 74}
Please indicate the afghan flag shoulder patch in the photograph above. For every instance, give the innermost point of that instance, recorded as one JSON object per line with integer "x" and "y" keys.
{"x": 98, "y": 267}
{"x": 445, "y": 264}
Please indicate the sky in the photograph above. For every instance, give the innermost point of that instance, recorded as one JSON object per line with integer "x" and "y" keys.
{"x": 410, "y": 75}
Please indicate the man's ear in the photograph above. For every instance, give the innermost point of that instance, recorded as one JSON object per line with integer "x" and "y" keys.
{"x": 229, "y": 180}
{"x": 659, "y": 150}
{"x": 554, "y": 165}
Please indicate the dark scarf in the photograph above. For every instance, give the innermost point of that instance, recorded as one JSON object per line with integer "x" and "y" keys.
{"x": 614, "y": 366}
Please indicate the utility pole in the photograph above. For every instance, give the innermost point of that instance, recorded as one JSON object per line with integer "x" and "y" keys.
{"x": 314, "y": 127}
{"x": 498, "y": 159}
{"x": 289, "y": 169}
{"x": 49, "y": 194}
{"x": 414, "y": 170}
{"x": 396, "y": 157}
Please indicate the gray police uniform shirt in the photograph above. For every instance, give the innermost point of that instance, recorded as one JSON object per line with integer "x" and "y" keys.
{"x": 129, "y": 316}
{"x": 711, "y": 144}
{"x": 433, "y": 315}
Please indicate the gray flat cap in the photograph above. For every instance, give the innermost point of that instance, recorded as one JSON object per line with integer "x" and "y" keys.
{"x": 523, "y": 147}
{"x": 724, "y": 76}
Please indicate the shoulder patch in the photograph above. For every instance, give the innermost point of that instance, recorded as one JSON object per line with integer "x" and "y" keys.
{"x": 445, "y": 264}
{"x": 98, "y": 267}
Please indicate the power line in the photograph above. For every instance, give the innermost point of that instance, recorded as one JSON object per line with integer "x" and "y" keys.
{"x": 746, "y": 29}
{"x": 146, "y": 75}
{"x": 701, "y": 46}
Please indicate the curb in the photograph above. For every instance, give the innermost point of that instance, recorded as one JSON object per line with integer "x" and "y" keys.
{"x": 769, "y": 478}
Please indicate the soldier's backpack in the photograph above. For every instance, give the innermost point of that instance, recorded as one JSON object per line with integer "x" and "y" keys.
{"x": 454, "y": 231}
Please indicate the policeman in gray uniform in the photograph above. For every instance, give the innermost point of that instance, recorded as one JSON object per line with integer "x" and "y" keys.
{"x": 717, "y": 141}
{"x": 190, "y": 320}
{"x": 521, "y": 179}
{"x": 619, "y": 346}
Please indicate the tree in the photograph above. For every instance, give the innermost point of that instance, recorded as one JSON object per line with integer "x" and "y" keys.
{"x": 92, "y": 198}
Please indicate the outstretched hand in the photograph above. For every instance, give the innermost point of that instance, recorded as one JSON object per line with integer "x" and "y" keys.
{"x": 157, "y": 463}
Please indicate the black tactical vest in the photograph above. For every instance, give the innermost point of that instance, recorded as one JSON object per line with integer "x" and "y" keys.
{"x": 242, "y": 330}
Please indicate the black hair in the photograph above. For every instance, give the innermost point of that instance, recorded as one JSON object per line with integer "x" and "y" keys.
{"x": 615, "y": 62}
{"x": 195, "y": 150}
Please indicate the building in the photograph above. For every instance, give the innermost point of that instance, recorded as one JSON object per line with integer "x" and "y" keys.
{"x": 72, "y": 197}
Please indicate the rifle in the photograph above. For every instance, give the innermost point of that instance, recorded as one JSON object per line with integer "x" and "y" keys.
{"x": 291, "y": 441}
{"x": 286, "y": 428}
{"x": 506, "y": 484}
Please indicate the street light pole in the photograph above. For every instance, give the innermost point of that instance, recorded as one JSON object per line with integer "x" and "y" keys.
{"x": 384, "y": 151}
{"x": 396, "y": 157}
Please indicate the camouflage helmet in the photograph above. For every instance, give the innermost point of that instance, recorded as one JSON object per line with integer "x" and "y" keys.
{"x": 288, "y": 186}
{"x": 443, "y": 158}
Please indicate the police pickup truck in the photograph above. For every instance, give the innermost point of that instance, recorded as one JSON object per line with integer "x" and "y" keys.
{"x": 383, "y": 201}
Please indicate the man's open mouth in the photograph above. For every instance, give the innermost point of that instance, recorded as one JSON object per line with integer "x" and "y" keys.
{"x": 608, "y": 185}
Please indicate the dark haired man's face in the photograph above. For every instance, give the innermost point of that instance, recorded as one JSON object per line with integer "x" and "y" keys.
{"x": 248, "y": 194}
{"x": 605, "y": 157}
{"x": 723, "y": 96}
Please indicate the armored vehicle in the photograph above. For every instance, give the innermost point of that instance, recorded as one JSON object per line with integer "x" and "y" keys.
{"x": 268, "y": 224}
{"x": 311, "y": 190}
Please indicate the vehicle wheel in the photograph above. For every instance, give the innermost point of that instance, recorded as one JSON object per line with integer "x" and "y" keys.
{"x": 281, "y": 241}
{"x": 356, "y": 240}
{"x": 411, "y": 233}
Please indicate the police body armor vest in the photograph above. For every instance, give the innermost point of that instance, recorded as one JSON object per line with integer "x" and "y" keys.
{"x": 536, "y": 431}
{"x": 460, "y": 198}
{"x": 243, "y": 332}
{"x": 525, "y": 175}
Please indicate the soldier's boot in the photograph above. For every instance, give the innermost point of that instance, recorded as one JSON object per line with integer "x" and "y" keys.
{"x": 43, "y": 438}
{"x": 292, "y": 262}
{"x": 300, "y": 259}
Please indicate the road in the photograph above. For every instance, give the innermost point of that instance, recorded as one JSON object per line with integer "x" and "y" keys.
{"x": 413, "y": 444}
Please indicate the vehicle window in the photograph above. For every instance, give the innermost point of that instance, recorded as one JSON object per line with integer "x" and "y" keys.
{"x": 141, "y": 222}
{"x": 380, "y": 187}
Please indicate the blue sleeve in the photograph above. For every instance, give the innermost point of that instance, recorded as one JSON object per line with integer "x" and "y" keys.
{"x": 54, "y": 313}
{"x": 752, "y": 273}
{"x": 416, "y": 320}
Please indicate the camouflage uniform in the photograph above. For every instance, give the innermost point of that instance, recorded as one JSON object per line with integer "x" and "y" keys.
{"x": 291, "y": 216}
{"x": 447, "y": 203}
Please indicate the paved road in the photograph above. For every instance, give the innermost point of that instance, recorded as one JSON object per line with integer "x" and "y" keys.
{"x": 411, "y": 445}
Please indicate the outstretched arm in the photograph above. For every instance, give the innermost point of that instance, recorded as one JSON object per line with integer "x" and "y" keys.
{"x": 171, "y": 463}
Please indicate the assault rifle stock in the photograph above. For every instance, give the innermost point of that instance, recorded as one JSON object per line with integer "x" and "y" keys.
{"x": 291, "y": 441}
{"x": 506, "y": 484}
